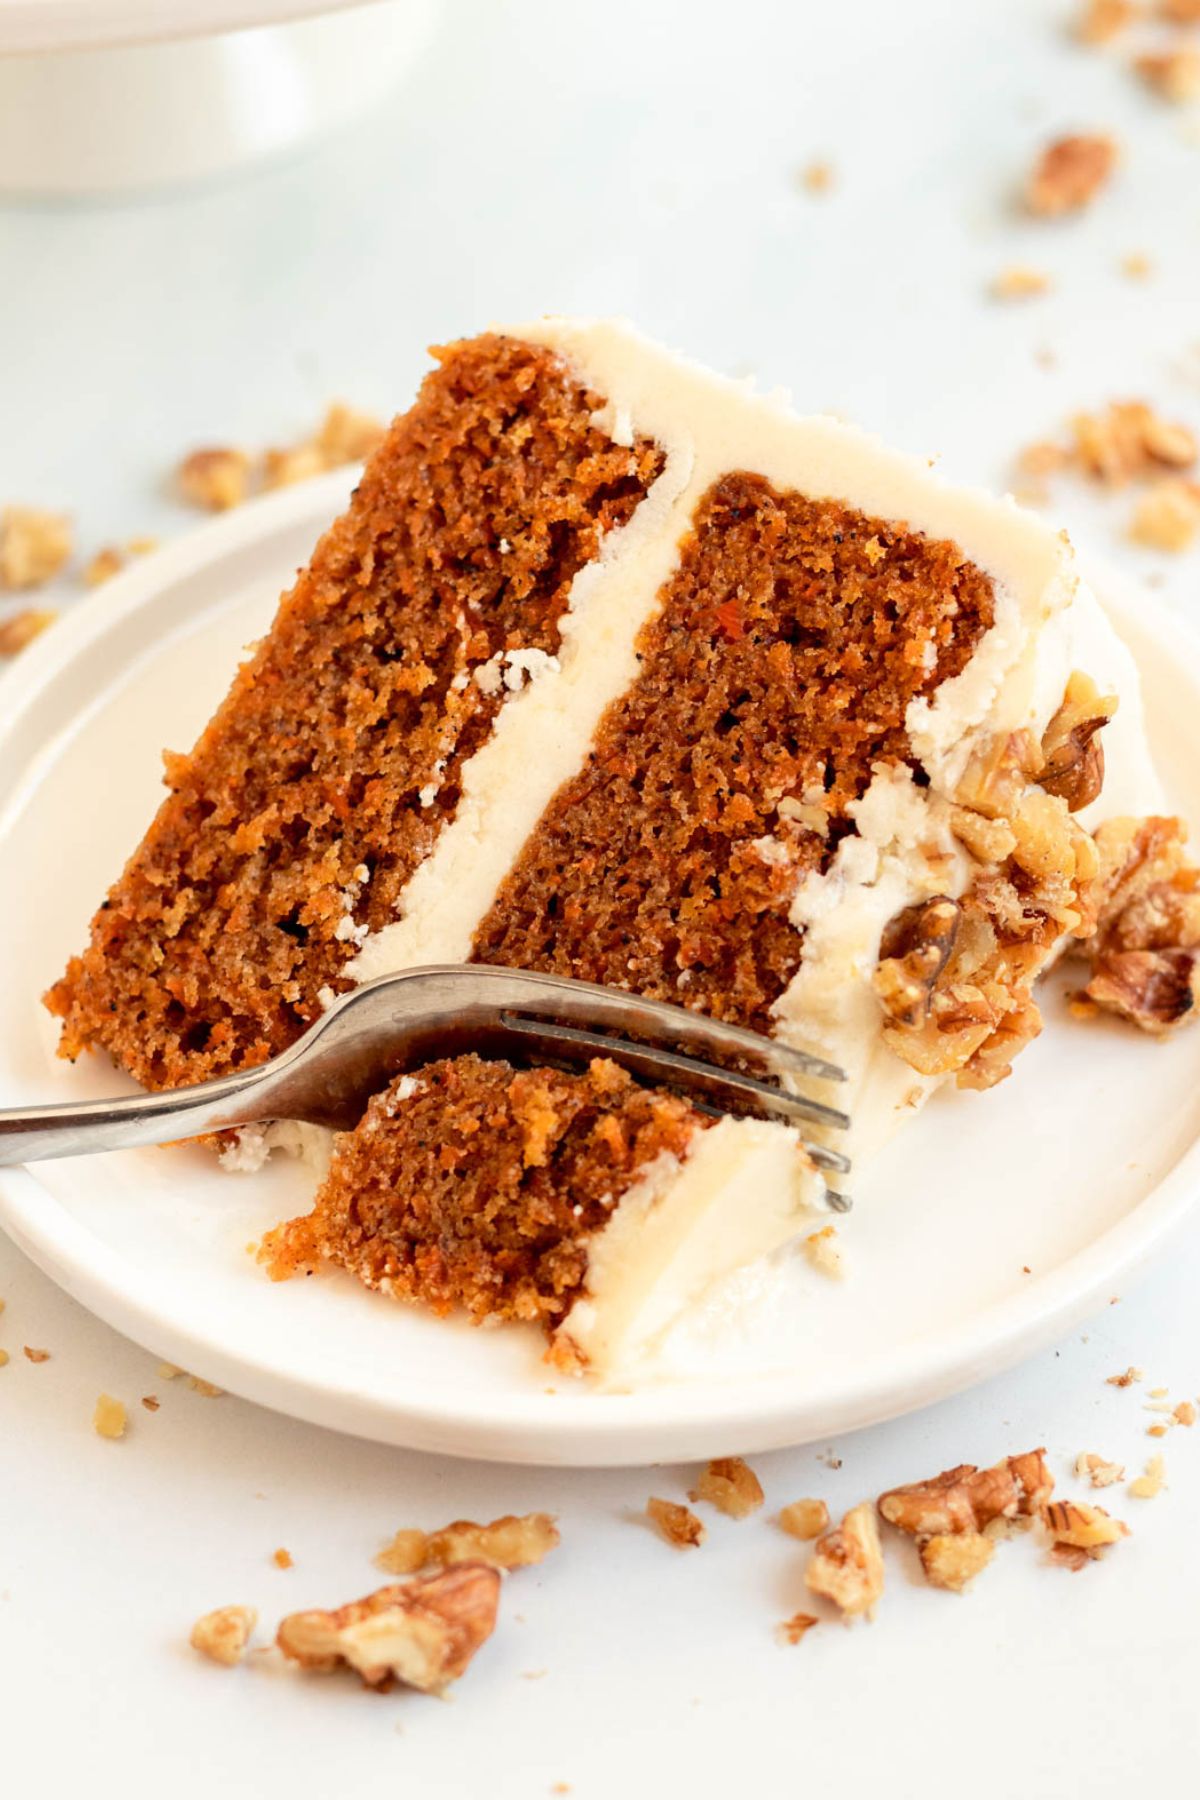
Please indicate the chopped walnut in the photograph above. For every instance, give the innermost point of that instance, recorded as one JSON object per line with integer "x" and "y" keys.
{"x": 35, "y": 1356}
{"x": 915, "y": 948}
{"x": 422, "y": 1632}
{"x": 34, "y": 545}
{"x": 678, "y": 1524}
{"x": 1129, "y": 441}
{"x": 1126, "y": 1378}
{"x": 846, "y": 1565}
{"x": 1168, "y": 517}
{"x": 1149, "y": 1485}
{"x": 109, "y": 1418}
{"x": 150, "y": 1402}
{"x": 970, "y": 1499}
{"x": 283, "y": 1559}
{"x": 951, "y": 1559}
{"x": 1102, "y": 20}
{"x": 1073, "y": 756}
{"x": 1097, "y": 1470}
{"x": 1079, "y": 1526}
{"x": 507, "y": 1543}
{"x": 3, "y": 1359}
{"x": 1174, "y": 74}
{"x": 215, "y": 479}
{"x": 347, "y": 435}
{"x": 1070, "y": 173}
{"x": 283, "y": 468}
{"x": 1019, "y": 282}
{"x": 798, "y": 1626}
{"x": 112, "y": 559}
{"x": 18, "y": 631}
{"x": 223, "y": 1635}
{"x": 1145, "y": 951}
{"x": 731, "y": 1486}
{"x": 1185, "y": 1413}
{"x": 208, "y": 1389}
{"x": 404, "y": 1554}
{"x": 804, "y": 1519}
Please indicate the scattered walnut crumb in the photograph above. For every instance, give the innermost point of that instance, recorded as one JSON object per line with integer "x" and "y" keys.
{"x": 3, "y": 1358}
{"x": 109, "y": 1419}
{"x": 1069, "y": 174}
{"x": 1185, "y": 1413}
{"x": 508, "y": 1543}
{"x": 34, "y": 545}
{"x": 18, "y": 631}
{"x": 1077, "y": 1525}
{"x": 1168, "y": 517}
{"x": 1042, "y": 459}
{"x": 1130, "y": 440}
{"x": 731, "y": 1486}
{"x": 404, "y": 1555}
{"x": 678, "y": 1524}
{"x": 952, "y": 1559}
{"x": 1127, "y": 1379}
{"x": 222, "y": 1635}
{"x": 1097, "y": 1470}
{"x": 824, "y": 1253}
{"x": 209, "y": 1389}
{"x": 283, "y": 1559}
{"x": 1156, "y": 1431}
{"x": 1102, "y": 20}
{"x": 215, "y": 479}
{"x": 846, "y": 1565}
{"x": 967, "y": 1498}
{"x": 1173, "y": 74}
{"x": 804, "y": 1519}
{"x": 793, "y": 1629}
{"x": 816, "y": 177}
{"x": 1147, "y": 1486}
{"x": 423, "y": 1632}
{"x": 112, "y": 559}
{"x": 167, "y": 1371}
{"x": 1137, "y": 266}
{"x": 150, "y": 1402}
{"x": 1019, "y": 282}
{"x": 283, "y": 468}
{"x": 35, "y": 1356}
{"x": 1158, "y": 1393}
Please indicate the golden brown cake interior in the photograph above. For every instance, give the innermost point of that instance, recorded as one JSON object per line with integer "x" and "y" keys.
{"x": 326, "y": 774}
{"x": 473, "y": 1184}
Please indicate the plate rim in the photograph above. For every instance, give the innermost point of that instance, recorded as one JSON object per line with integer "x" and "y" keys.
{"x": 746, "y": 1414}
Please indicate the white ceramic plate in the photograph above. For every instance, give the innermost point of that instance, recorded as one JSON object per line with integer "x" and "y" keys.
{"x": 991, "y": 1225}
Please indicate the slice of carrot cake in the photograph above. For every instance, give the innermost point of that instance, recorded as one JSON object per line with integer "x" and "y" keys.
{"x": 615, "y": 669}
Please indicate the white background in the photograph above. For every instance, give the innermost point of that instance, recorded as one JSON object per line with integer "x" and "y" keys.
{"x": 595, "y": 158}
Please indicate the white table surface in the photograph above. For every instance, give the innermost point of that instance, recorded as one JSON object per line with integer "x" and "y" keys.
{"x": 595, "y": 158}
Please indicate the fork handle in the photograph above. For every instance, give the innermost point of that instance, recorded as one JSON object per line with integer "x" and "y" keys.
{"x": 35, "y": 1133}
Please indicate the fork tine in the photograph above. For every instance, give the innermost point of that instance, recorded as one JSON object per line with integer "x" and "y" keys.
{"x": 688, "y": 1074}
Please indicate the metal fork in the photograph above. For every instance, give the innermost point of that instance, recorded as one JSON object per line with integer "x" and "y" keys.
{"x": 384, "y": 1027}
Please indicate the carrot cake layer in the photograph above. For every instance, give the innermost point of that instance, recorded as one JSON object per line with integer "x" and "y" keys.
{"x": 618, "y": 670}
{"x": 324, "y": 780}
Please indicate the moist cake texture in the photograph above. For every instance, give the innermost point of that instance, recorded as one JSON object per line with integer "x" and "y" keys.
{"x": 616, "y": 670}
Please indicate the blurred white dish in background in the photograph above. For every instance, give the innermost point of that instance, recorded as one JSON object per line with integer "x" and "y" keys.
{"x": 106, "y": 96}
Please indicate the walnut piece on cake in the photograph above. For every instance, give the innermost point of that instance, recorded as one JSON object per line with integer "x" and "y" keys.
{"x": 223, "y": 1635}
{"x": 1145, "y": 951}
{"x": 970, "y": 1499}
{"x": 678, "y": 1524}
{"x": 1069, "y": 174}
{"x": 34, "y": 545}
{"x": 422, "y": 1632}
{"x": 731, "y": 1486}
{"x": 847, "y": 1563}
